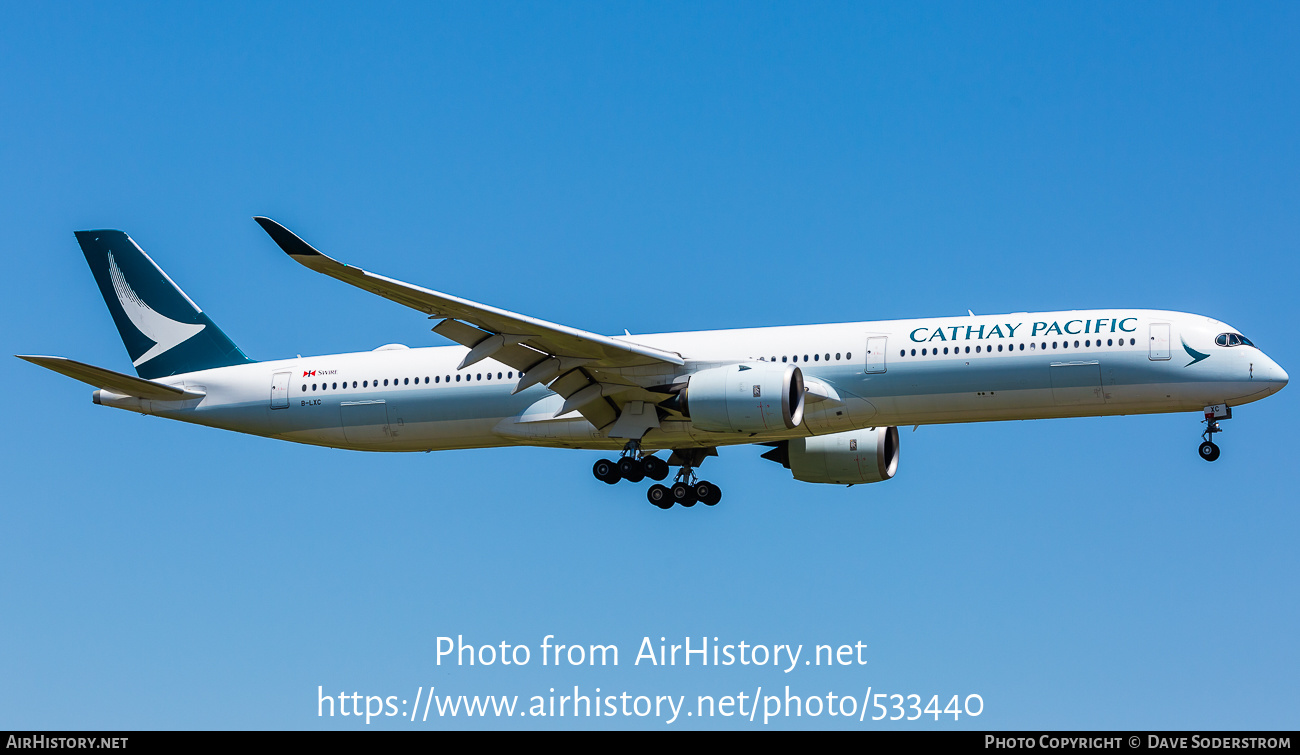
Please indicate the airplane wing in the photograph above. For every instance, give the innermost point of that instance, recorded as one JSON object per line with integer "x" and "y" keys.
{"x": 568, "y": 359}
{"x": 116, "y": 382}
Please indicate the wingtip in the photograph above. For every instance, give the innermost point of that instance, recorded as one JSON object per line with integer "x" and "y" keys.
{"x": 286, "y": 239}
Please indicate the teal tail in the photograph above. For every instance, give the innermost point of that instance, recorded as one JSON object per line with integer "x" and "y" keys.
{"x": 165, "y": 332}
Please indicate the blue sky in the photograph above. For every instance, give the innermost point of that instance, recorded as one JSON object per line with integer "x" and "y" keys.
{"x": 654, "y": 167}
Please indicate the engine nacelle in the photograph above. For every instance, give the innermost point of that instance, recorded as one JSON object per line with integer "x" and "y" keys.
{"x": 744, "y": 398}
{"x": 846, "y": 458}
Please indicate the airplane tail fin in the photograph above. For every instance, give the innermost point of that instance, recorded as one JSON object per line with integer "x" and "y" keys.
{"x": 164, "y": 331}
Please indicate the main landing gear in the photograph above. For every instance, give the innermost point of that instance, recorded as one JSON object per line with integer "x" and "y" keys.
{"x": 687, "y": 491}
{"x": 634, "y": 466}
{"x": 1208, "y": 450}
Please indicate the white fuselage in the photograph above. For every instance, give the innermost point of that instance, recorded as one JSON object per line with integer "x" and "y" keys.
{"x": 923, "y": 371}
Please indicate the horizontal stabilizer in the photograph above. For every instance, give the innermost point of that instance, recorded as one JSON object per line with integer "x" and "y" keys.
{"x": 116, "y": 382}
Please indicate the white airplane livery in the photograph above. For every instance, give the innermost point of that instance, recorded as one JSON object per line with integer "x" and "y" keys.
{"x": 825, "y": 400}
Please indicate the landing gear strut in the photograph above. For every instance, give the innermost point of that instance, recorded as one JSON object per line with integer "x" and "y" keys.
{"x": 1208, "y": 450}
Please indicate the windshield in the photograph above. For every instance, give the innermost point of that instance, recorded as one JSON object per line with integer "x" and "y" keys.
{"x": 1233, "y": 339}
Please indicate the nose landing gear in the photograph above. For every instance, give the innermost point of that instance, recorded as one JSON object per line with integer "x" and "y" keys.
{"x": 1208, "y": 450}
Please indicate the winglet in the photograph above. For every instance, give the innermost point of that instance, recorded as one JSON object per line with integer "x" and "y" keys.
{"x": 286, "y": 239}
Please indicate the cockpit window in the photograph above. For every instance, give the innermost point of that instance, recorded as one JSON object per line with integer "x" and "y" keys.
{"x": 1232, "y": 339}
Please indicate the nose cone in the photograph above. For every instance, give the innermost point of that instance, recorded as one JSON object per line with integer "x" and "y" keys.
{"x": 1276, "y": 376}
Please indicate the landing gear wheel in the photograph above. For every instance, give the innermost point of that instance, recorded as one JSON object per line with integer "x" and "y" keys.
{"x": 655, "y": 468}
{"x": 1209, "y": 451}
{"x": 606, "y": 471}
{"x": 708, "y": 493}
{"x": 631, "y": 469}
{"x": 660, "y": 496}
{"x": 684, "y": 494}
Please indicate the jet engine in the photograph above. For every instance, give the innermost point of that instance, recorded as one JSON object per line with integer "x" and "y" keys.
{"x": 743, "y": 398}
{"x": 848, "y": 458}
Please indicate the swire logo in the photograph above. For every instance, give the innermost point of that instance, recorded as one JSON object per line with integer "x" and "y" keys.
{"x": 309, "y": 373}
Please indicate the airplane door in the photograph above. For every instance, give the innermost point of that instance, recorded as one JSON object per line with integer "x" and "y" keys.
{"x": 365, "y": 422}
{"x": 1159, "y": 341}
{"x": 1075, "y": 383}
{"x": 876, "y": 347}
{"x": 280, "y": 390}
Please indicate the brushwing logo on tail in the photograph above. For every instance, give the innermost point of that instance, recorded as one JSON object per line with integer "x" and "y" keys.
{"x": 165, "y": 332}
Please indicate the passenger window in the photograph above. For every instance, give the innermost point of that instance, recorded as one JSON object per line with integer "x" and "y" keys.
{"x": 1076, "y": 344}
{"x": 999, "y": 347}
{"x": 313, "y": 386}
{"x": 458, "y": 378}
{"x": 837, "y": 356}
{"x": 901, "y": 353}
{"x": 977, "y": 349}
{"x": 304, "y": 387}
{"x": 385, "y": 382}
{"x": 848, "y": 355}
{"x": 945, "y": 349}
{"x": 335, "y": 386}
{"x": 913, "y": 352}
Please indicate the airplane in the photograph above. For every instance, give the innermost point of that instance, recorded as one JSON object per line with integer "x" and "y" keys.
{"x": 825, "y": 401}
